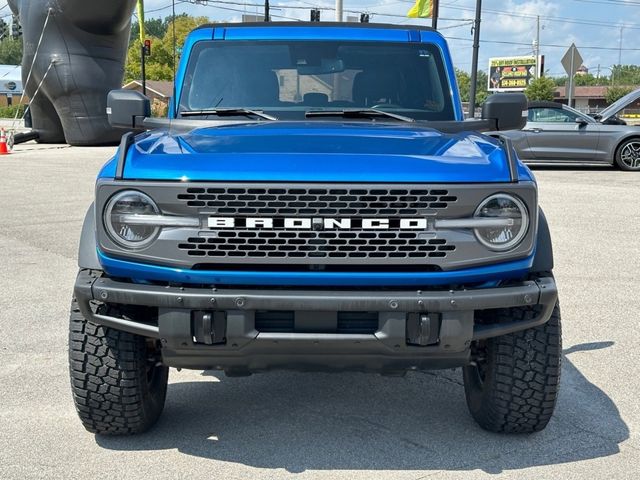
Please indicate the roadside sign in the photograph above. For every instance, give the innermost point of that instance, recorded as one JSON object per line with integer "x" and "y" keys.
{"x": 572, "y": 60}
{"x": 513, "y": 74}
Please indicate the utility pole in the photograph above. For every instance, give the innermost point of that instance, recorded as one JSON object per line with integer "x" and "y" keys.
{"x": 143, "y": 50}
{"x": 474, "y": 61}
{"x": 537, "y": 50}
{"x": 613, "y": 75}
{"x": 338, "y": 10}
{"x": 434, "y": 14}
{"x": 620, "y": 49}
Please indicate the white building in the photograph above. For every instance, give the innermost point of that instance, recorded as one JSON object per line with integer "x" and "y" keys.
{"x": 10, "y": 82}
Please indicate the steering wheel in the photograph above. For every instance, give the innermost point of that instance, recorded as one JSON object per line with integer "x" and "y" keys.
{"x": 391, "y": 105}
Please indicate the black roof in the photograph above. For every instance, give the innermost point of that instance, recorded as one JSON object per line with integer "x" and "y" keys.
{"x": 544, "y": 104}
{"x": 386, "y": 26}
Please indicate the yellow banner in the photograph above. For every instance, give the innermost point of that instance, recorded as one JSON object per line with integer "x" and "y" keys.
{"x": 422, "y": 9}
{"x": 143, "y": 34}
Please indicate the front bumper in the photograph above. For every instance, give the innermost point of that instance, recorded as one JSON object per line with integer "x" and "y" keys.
{"x": 244, "y": 349}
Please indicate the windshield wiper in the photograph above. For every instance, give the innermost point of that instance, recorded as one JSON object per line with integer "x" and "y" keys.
{"x": 230, "y": 112}
{"x": 358, "y": 113}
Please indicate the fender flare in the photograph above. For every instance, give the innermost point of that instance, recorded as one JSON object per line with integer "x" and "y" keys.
{"x": 543, "y": 260}
{"x": 87, "y": 250}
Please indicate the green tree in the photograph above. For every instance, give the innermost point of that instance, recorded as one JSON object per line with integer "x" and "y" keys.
{"x": 154, "y": 27}
{"x": 464, "y": 84}
{"x": 586, "y": 80}
{"x": 541, "y": 88}
{"x": 626, "y": 74}
{"x": 616, "y": 93}
{"x": 159, "y": 66}
{"x": 464, "y": 81}
{"x": 481, "y": 87}
{"x": 11, "y": 51}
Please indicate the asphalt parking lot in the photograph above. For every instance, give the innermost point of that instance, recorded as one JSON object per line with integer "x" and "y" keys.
{"x": 283, "y": 425}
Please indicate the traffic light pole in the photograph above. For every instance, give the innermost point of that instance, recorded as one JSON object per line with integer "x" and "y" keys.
{"x": 474, "y": 60}
{"x": 434, "y": 14}
{"x": 143, "y": 50}
{"x": 143, "y": 69}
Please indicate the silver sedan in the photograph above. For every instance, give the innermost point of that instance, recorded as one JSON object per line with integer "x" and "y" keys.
{"x": 557, "y": 133}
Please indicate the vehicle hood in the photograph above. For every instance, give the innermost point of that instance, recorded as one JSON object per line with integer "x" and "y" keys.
{"x": 317, "y": 152}
{"x": 619, "y": 105}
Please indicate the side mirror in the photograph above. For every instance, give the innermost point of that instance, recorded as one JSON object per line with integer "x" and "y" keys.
{"x": 581, "y": 121}
{"x": 127, "y": 109}
{"x": 507, "y": 110}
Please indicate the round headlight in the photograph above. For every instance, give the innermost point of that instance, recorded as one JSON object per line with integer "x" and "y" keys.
{"x": 123, "y": 205}
{"x": 511, "y": 226}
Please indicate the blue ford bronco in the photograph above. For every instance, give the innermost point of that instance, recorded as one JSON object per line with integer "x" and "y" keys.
{"x": 315, "y": 201}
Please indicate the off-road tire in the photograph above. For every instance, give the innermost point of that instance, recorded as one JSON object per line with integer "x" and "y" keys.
{"x": 514, "y": 388}
{"x": 118, "y": 388}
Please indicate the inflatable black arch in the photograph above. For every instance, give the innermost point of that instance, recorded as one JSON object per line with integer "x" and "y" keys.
{"x": 74, "y": 54}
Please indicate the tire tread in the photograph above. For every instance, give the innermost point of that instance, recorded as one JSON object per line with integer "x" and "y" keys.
{"x": 520, "y": 392}
{"x": 108, "y": 378}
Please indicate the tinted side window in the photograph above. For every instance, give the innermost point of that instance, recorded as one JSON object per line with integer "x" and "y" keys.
{"x": 551, "y": 115}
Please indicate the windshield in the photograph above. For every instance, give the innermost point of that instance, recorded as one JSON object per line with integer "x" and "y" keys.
{"x": 288, "y": 79}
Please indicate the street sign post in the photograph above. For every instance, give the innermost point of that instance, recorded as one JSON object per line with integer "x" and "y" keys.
{"x": 571, "y": 62}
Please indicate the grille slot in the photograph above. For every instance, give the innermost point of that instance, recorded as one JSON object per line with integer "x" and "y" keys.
{"x": 316, "y": 201}
{"x": 353, "y": 323}
{"x": 317, "y": 245}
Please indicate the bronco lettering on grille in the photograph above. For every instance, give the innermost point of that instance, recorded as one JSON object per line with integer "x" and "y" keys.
{"x": 308, "y": 223}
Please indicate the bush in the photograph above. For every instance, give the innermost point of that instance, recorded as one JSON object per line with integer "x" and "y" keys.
{"x": 542, "y": 88}
{"x": 10, "y": 111}
{"x": 616, "y": 93}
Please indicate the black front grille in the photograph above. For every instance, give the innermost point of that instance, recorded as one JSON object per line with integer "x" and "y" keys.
{"x": 311, "y": 244}
{"x": 316, "y": 201}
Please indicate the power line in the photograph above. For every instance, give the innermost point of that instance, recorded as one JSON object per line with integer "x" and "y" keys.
{"x": 549, "y": 45}
{"x": 217, "y": 3}
{"x": 371, "y": 10}
{"x": 551, "y": 18}
{"x": 622, "y": 3}
{"x": 464, "y": 22}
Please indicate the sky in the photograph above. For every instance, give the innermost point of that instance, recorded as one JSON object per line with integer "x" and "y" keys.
{"x": 508, "y": 27}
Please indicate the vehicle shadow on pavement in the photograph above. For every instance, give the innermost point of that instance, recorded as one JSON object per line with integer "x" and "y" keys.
{"x": 577, "y": 166}
{"x": 353, "y": 421}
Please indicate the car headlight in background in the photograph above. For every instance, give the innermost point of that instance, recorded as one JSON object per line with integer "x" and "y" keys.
{"x": 123, "y": 206}
{"x": 505, "y": 234}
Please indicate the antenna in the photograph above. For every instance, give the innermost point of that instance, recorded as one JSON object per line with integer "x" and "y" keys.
{"x": 175, "y": 67}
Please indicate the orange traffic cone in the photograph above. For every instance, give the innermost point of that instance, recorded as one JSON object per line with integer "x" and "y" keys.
{"x": 3, "y": 143}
